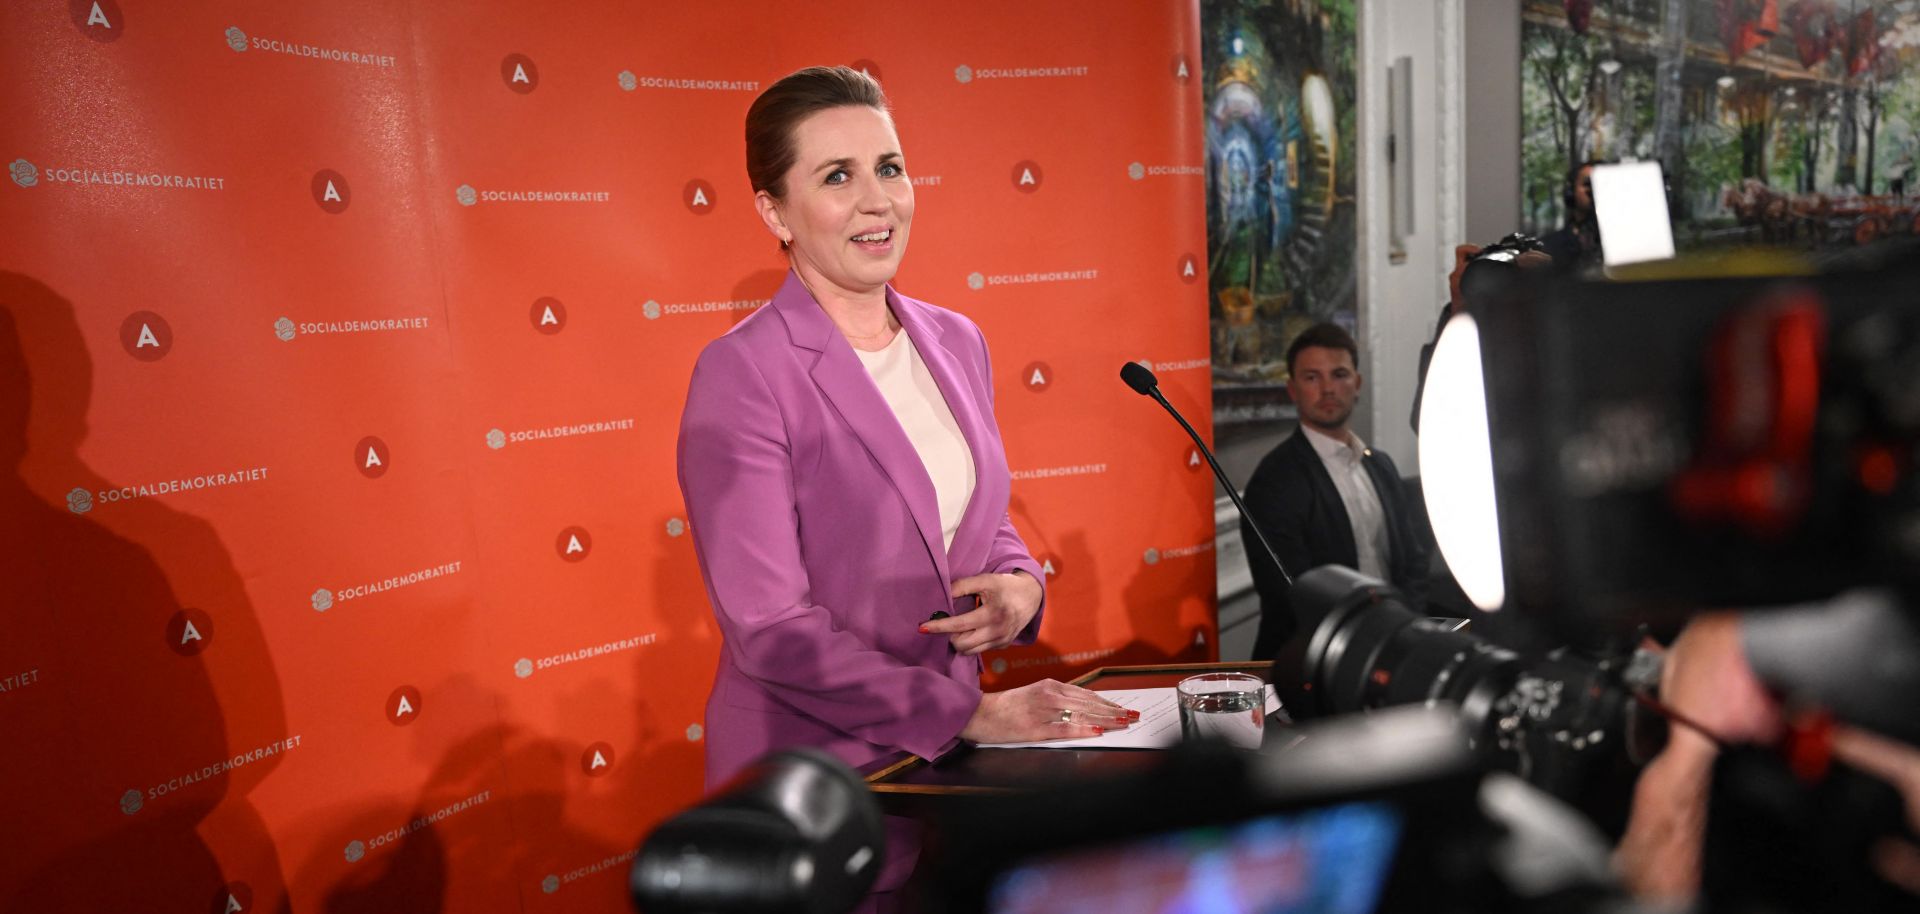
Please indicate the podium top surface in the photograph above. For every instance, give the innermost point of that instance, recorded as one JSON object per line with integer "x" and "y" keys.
{"x": 902, "y": 780}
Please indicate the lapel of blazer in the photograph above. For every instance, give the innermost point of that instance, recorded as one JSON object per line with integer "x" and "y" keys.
{"x": 949, "y": 370}
{"x": 845, "y": 383}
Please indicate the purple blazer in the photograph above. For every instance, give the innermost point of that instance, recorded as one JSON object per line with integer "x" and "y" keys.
{"x": 819, "y": 536}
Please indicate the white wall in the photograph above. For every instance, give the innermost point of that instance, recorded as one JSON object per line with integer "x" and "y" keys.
{"x": 1399, "y": 301}
{"x": 1491, "y": 66}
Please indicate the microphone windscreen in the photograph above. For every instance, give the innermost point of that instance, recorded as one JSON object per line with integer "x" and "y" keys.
{"x": 1139, "y": 377}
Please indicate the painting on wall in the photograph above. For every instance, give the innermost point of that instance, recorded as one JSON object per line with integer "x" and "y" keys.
{"x": 1776, "y": 122}
{"x": 1280, "y": 119}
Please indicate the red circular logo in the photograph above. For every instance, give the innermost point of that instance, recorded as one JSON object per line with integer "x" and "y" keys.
{"x": 1190, "y": 269}
{"x": 698, "y": 196}
{"x": 233, "y": 898}
{"x": 1027, "y": 176}
{"x": 146, "y": 336}
{"x": 1182, "y": 69}
{"x": 573, "y": 544}
{"x": 371, "y": 457}
{"x": 189, "y": 632}
{"x": 1037, "y": 377}
{"x": 331, "y": 192}
{"x": 597, "y": 760}
{"x": 99, "y": 20}
{"x": 403, "y": 706}
{"x": 520, "y": 73}
{"x": 549, "y": 316}
{"x": 866, "y": 66}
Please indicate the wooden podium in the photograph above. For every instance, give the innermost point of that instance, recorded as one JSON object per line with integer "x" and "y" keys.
{"x": 907, "y": 784}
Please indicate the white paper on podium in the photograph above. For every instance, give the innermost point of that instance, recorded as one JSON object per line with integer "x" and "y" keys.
{"x": 1157, "y": 728}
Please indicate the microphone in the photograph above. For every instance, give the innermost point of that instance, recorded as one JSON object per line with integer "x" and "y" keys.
{"x": 1141, "y": 379}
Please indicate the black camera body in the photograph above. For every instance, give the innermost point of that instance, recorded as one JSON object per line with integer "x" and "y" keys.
{"x": 1495, "y": 265}
{"x": 1566, "y": 722}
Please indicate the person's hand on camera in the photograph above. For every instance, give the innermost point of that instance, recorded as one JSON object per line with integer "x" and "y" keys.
{"x": 1007, "y": 604}
{"x": 1044, "y": 710}
{"x": 1707, "y": 680}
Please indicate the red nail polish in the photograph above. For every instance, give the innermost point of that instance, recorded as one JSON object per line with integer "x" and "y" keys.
{"x": 923, "y": 630}
{"x": 1134, "y": 715}
{"x": 1099, "y": 730}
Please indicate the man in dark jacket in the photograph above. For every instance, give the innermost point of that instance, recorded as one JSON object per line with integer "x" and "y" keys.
{"x": 1322, "y": 496}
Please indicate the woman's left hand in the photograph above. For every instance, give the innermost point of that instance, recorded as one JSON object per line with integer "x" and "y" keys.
{"x": 1007, "y": 604}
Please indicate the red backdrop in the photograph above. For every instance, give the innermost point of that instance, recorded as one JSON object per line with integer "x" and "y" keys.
{"x": 343, "y": 347}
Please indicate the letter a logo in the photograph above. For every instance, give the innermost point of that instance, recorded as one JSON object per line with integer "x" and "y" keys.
{"x": 189, "y": 632}
{"x": 331, "y": 192}
{"x": 549, "y": 316}
{"x": 1048, "y": 569}
{"x": 1189, "y": 269}
{"x": 574, "y": 544}
{"x": 403, "y": 706}
{"x": 99, "y": 20}
{"x": 597, "y": 760}
{"x": 698, "y": 196}
{"x": 1037, "y": 376}
{"x": 1194, "y": 462}
{"x": 1027, "y": 176}
{"x": 233, "y": 905}
{"x": 371, "y": 457}
{"x": 146, "y": 336}
{"x": 520, "y": 73}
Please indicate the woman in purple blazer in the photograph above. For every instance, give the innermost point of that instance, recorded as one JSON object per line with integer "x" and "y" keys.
{"x": 845, "y": 479}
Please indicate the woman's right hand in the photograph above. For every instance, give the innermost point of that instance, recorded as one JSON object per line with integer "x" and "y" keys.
{"x": 1033, "y": 712}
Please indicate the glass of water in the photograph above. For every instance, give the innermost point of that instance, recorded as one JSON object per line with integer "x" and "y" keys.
{"x": 1223, "y": 707}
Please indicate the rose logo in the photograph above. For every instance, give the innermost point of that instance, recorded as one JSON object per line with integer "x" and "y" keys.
{"x": 466, "y": 195}
{"x": 283, "y": 328}
{"x": 236, "y": 39}
{"x": 24, "y": 174}
{"x": 79, "y": 501}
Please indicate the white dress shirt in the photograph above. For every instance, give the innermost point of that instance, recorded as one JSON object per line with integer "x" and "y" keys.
{"x": 909, "y": 388}
{"x": 1364, "y": 513}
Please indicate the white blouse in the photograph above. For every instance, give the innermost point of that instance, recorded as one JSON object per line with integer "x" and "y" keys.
{"x": 922, "y": 411}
